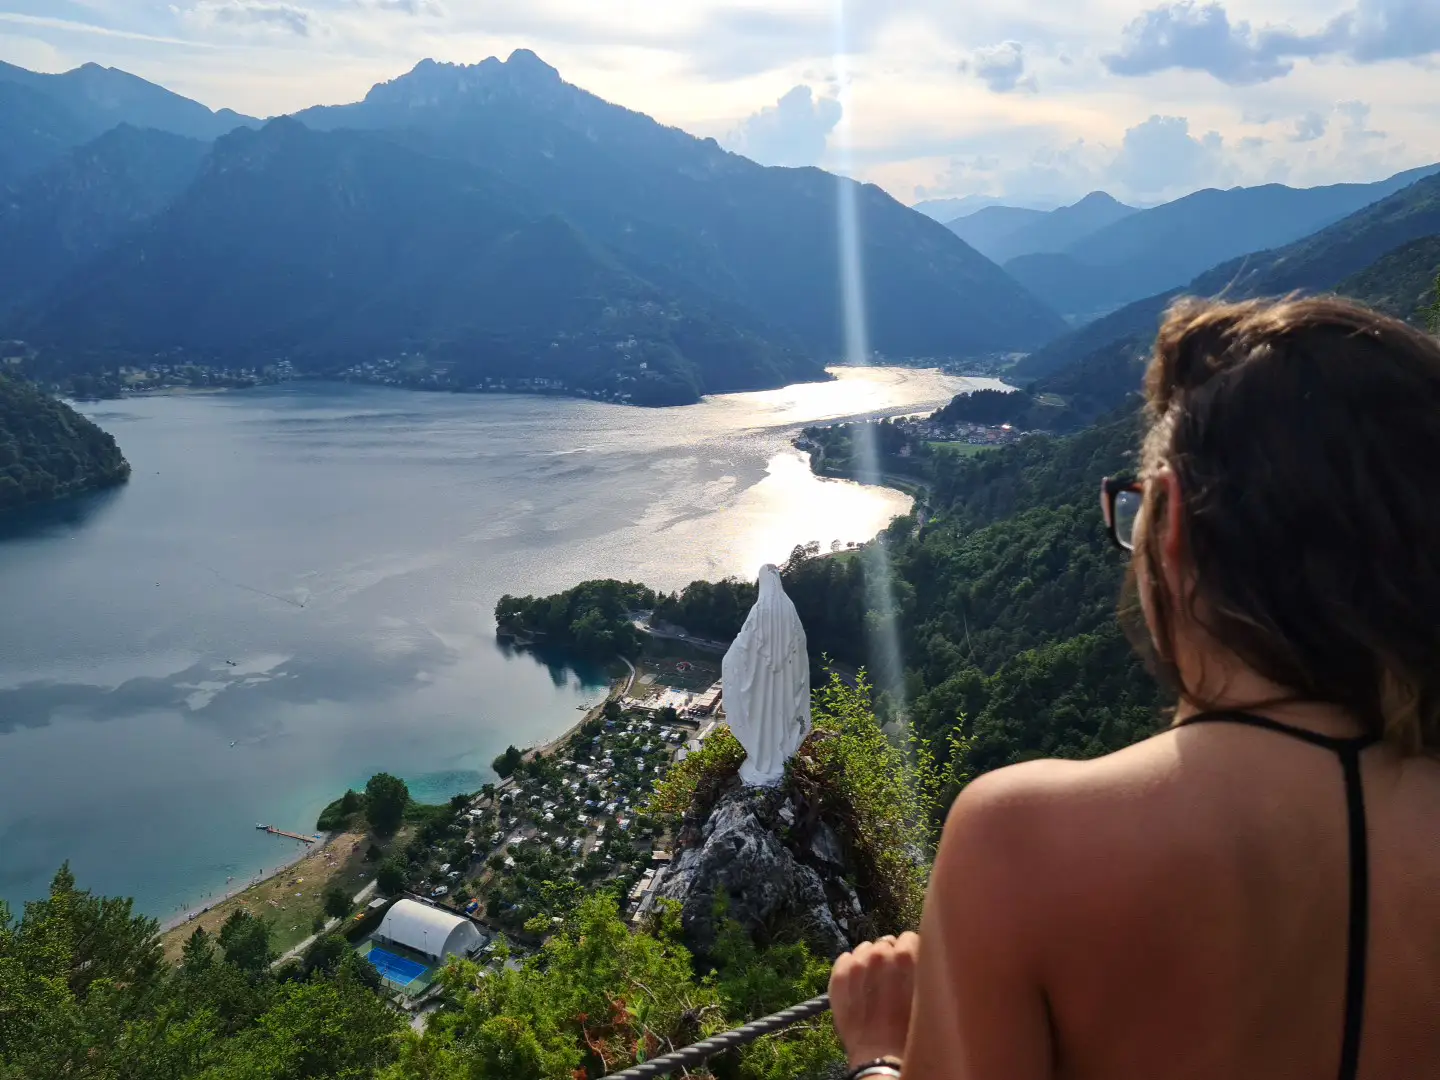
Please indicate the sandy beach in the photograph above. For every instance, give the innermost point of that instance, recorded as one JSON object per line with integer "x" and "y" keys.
{"x": 289, "y": 896}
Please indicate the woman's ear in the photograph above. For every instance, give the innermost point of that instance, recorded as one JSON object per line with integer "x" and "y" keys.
{"x": 1166, "y": 485}
{"x": 1173, "y": 540}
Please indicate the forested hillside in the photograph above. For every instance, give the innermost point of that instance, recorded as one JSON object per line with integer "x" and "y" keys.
{"x": 1403, "y": 283}
{"x": 1067, "y": 400}
{"x": 70, "y": 211}
{"x": 593, "y": 618}
{"x": 48, "y": 450}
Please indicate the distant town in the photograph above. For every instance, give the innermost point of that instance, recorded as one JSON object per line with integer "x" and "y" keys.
{"x": 928, "y": 430}
{"x": 898, "y": 441}
{"x": 407, "y": 371}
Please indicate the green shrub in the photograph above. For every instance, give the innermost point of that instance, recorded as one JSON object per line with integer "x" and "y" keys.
{"x": 702, "y": 773}
{"x": 863, "y": 778}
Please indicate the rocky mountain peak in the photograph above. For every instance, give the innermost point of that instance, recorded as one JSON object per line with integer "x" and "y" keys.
{"x": 433, "y": 83}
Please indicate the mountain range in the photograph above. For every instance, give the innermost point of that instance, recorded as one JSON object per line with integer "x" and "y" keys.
{"x": 42, "y": 116}
{"x": 1003, "y": 233}
{"x": 475, "y": 226}
{"x": 1386, "y": 255}
{"x": 1098, "y": 255}
{"x": 949, "y": 209}
{"x": 1316, "y": 263}
{"x": 494, "y": 222}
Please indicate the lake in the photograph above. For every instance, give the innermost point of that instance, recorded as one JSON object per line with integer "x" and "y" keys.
{"x": 295, "y": 590}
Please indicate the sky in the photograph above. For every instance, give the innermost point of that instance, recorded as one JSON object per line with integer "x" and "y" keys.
{"x": 1034, "y": 101}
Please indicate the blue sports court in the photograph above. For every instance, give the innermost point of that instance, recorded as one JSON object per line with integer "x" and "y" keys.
{"x": 394, "y": 968}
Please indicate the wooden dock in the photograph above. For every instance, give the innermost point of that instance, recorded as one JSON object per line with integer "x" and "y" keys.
{"x": 273, "y": 831}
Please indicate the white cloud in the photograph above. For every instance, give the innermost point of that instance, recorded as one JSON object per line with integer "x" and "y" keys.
{"x": 1389, "y": 30}
{"x": 32, "y": 53}
{"x": 793, "y": 131}
{"x": 1001, "y": 67}
{"x": 1357, "y": 129}
{"x": 1201, "y": 37}
{"x": 1310, "y": 127}
{"x": 266, "y": 15}
{"x": 1186, "y": 35}
{"x": 1157, "y": 159}
{"x": 1160, "y": 157}
{"x": 431, "y": 8}
{"x": 69, "y": 27}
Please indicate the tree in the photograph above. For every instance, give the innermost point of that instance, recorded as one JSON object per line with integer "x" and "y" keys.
{"x": 246, "y": 941}
{"x": 612, "y": 710}
{"x": 667, "y": 715}
{"x": 334, "y": 1027}
{"x": 390, "y": 876}
{"x": 198, "y": 953}
{"x": 337, "y": 902}
{"x": 506, "y": 764}
{"x": 386, "y": 797}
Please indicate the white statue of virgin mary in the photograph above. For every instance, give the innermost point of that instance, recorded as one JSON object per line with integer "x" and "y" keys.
{"x": 765, "y": 679}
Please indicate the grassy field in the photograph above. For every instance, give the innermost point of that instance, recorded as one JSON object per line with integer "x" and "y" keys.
{"x": 701, "y": 675}
{"x": 961, "y": 448}
{"x": 291, "y": 900}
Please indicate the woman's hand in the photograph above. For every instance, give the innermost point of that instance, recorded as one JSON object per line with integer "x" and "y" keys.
{"x": 870, "y": 994}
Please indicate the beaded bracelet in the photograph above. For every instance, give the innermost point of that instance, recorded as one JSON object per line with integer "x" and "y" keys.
{"x": 887, "y": 1067}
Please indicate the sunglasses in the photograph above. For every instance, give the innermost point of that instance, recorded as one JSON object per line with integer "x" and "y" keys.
{"x": 1120, "y": 501}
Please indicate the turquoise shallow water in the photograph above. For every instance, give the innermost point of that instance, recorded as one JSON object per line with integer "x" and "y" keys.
{"x": 295, "y": 589}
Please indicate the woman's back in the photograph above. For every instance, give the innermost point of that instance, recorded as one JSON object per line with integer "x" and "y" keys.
{"x": 1194, "y": 895}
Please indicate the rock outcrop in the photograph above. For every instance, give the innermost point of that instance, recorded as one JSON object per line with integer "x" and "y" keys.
{"x": 771, "y": 861}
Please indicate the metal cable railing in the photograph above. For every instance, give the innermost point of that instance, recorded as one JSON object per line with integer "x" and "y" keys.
{"x": 691, "y": 1056}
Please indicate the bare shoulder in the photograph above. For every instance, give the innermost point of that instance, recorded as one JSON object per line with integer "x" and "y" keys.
{"x": 1053, "y": 798}
{"x": 1081, "y": 827}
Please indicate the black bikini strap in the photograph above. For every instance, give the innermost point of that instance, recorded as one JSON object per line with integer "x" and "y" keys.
{"x": 1358, "y": 945}
{"x": 1329, "y": 742}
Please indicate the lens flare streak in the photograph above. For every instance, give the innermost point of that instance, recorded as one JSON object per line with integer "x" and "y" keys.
{"x": 884, "y": 632}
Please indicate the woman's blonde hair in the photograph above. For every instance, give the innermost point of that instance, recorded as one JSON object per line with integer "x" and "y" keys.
{"x": 1305, "y": 438}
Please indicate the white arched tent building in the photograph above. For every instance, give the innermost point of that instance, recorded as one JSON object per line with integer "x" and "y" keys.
{"x": 428, "y": 931}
